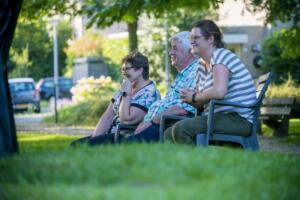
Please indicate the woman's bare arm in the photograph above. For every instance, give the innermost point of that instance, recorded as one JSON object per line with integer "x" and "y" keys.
{"x": 105, "y": 121}
{"x": 130, "y": 114}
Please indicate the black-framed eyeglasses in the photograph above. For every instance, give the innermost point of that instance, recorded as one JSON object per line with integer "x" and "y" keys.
{"x": 195, "y": 37}
{"x": 125, "y": 69}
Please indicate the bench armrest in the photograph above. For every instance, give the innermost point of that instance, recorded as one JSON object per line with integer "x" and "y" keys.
{"x": 227, "y": 103}
{"x": 163, "y": 122}
{"x": 210, "y": 120}
{"x": 172, "y": 117}
{"x": 127, "y": 127}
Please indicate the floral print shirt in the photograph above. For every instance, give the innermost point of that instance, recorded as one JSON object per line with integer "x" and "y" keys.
{"x": 142, "y": 99}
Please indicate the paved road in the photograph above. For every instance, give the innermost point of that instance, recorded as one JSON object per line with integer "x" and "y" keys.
{"x": 33, "y": 123}
{"x": 28, "y": 118}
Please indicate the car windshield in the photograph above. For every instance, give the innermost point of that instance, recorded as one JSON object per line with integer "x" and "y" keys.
{"x": 65, "y": 82}
{"x": 21, "y": 87}
{"x": 62, "y": 82}
{"x": 49, "y": 84}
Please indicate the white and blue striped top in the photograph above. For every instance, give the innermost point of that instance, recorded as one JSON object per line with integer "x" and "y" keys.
{"x": 241, "y": 87}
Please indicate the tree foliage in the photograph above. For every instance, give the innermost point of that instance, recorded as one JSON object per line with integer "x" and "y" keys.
{"x": 90, "y": 45}
{"x": 281, "y": 52}
{"x": 153, "y": 44}
{"x": 93, "y": 44}
{"x": 34, "y": 37}
{"x": 288, "y": 40}
{"x": 32, "y": 49}
{"x": 284, "y": 11}
{"x": 106, "y": 12}
{"x": 275, "y": 60}
{"x": 21, "y": 62}
{"x": 36, "y": 9}
{"x": 114, "y": 50}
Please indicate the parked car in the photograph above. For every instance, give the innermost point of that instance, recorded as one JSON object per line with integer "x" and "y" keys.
{"x": 45, "y": 87}
{"x": 24, "y": 95}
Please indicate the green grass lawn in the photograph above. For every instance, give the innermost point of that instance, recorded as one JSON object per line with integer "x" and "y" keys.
{"x": 46, "y": 168}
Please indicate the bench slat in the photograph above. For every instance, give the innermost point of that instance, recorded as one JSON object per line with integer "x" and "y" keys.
{"x": 275, "y": 111}
{"x": 278, "y": 101}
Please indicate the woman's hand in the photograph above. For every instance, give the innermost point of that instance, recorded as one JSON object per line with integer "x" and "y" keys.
{"x": 126, "y": 86}
{"x": 186, "y": 95}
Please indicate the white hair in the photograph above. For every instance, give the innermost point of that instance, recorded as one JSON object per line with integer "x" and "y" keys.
{"x": 183, "y": 38}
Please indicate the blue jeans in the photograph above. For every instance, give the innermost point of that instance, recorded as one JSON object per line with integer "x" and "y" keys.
{"x": 150, "y": 134}
{"x": 97, "y": 140}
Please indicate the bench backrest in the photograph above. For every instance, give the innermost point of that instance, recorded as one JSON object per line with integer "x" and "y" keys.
{"x": 277, "y": 106}
{"x": 262, "y": 84}
{"x": 279, "y": 101}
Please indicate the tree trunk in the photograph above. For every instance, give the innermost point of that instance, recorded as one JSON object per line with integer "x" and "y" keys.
{"x": 9, "y": 15}
{"x": 132, "y": 35}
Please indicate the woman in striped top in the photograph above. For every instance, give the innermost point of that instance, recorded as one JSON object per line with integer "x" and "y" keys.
{"x": 222, "y": 76}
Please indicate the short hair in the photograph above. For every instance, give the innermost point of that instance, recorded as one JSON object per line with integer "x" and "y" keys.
{"x": 137, "y": 61}
{"x": 184, "y": 38}
{"x": 209, "y": 28}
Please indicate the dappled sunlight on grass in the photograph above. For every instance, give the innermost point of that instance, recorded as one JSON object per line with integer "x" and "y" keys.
{"x": 40, "y": 137}
{"x": 47, "y": 168}
{"x": 43, "y": 142}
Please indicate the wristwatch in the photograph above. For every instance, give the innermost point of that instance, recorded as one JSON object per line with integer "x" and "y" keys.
{"x": 124, "y": 94}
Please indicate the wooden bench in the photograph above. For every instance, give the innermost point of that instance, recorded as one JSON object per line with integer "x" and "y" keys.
{"x": 276, "y": 113}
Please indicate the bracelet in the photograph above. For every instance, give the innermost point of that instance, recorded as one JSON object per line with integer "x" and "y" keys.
{"x": 194, "y": 97}
{"x": 153, "y": 123}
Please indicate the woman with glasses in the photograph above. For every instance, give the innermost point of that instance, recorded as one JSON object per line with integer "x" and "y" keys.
{"x": 130, "y": 104}
{"x": 223, "y": 76}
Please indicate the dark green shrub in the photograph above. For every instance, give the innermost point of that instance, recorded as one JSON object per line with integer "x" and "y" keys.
{"x": 83, "y": 113}
{"x": 275, "y": 58}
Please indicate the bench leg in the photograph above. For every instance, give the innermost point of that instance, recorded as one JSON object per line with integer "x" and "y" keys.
{"x": 258, "y": 127}
{"x": 280, "y": 127}
{"x": 283, "y": 130}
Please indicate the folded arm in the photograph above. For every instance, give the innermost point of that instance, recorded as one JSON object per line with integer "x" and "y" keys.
{"x": 130, "y": 114}
{"x": 217, "y": 91}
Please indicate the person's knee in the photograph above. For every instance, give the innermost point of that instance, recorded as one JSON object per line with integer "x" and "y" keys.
{"x": 177, "y": 131}
{"x": 180, "y": 133}
{"x": 168, "y": 135}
